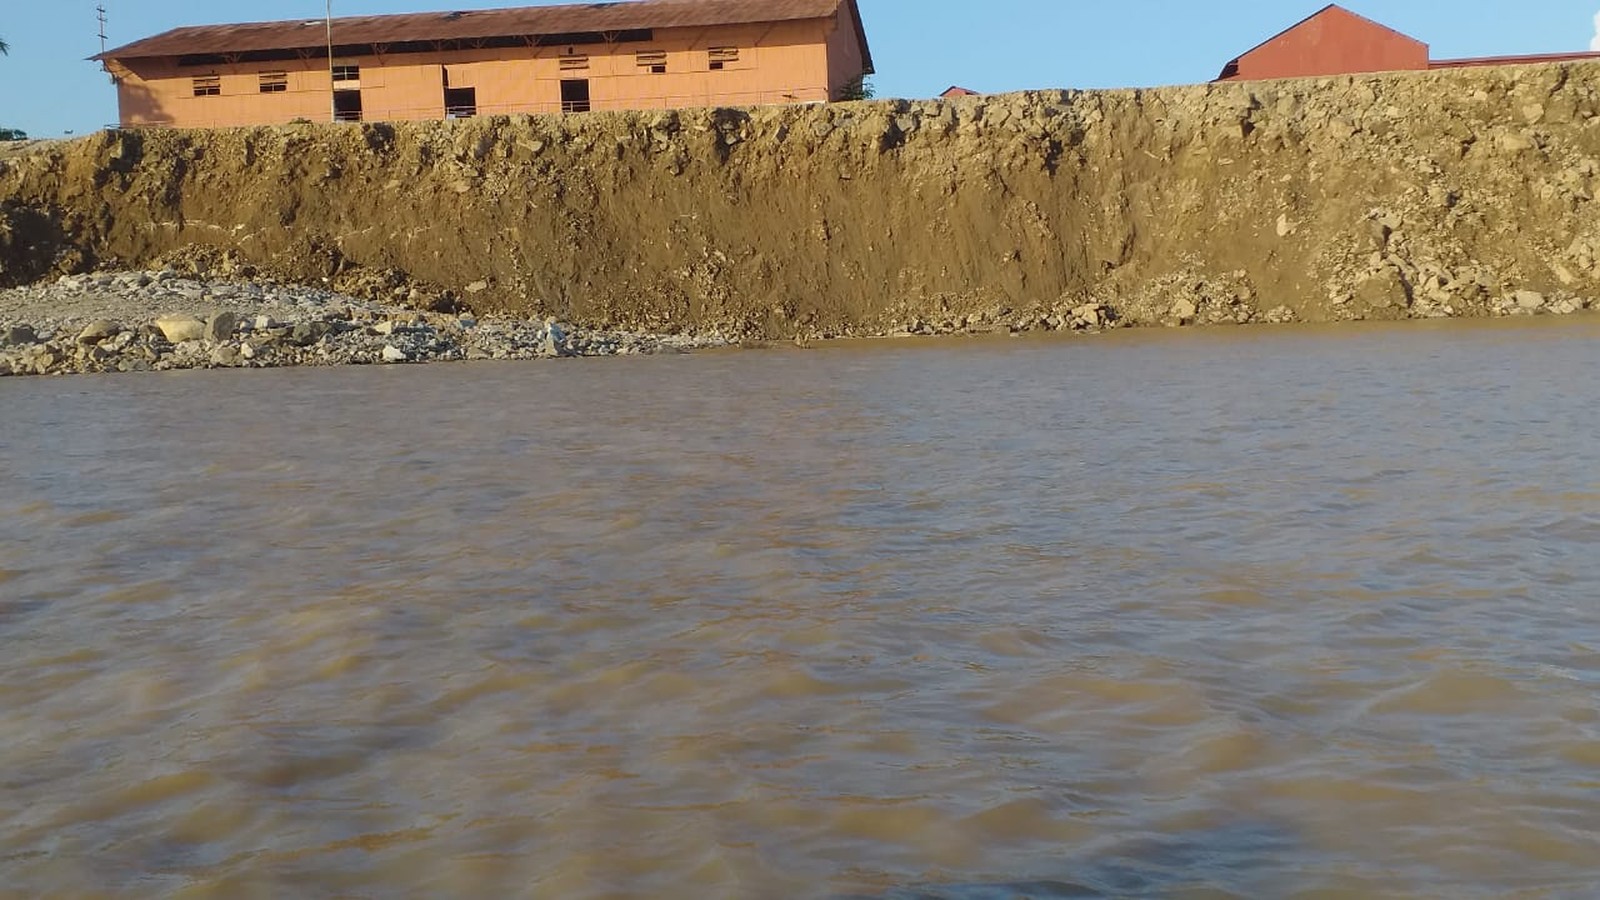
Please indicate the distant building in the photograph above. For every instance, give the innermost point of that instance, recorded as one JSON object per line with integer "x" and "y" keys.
{"x": 957, "y": 91}
{"x": 1336, "y": 41}
{"x": 645, "y": 54}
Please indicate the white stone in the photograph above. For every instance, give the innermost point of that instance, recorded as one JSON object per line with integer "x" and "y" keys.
{"x": 178, "y": 329}
{"x": 393, "y": 354}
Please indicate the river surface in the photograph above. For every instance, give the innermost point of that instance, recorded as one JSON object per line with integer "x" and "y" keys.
{"x": 1267, "y": 612}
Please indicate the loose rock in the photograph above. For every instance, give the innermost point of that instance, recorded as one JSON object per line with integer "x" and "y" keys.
{"x": 178, "y": 329}
{"x": 220, "y": 327}
{"x": 98, "y": 330}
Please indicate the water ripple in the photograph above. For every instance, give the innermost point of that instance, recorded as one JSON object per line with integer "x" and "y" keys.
{"x": 1164, "y": 615}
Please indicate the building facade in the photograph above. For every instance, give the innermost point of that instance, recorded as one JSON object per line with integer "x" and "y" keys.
{"x": 645, "y": 54}
{"x": 1336, "y": 41}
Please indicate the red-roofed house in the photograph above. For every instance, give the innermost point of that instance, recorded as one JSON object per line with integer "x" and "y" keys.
{"x": 1332, "y": 41}
{"x": 1336, "y": 41}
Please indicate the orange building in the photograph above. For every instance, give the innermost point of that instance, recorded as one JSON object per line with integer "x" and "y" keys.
{"x": 1336, "y": 41}
{"x": 645, "y": 54}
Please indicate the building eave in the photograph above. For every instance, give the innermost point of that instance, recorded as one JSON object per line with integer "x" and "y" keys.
{"x": 297, "y": 34}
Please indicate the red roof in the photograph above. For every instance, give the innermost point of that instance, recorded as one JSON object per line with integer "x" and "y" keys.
{"x": 1513, "y": 60}
{"x": 481, "y": 24}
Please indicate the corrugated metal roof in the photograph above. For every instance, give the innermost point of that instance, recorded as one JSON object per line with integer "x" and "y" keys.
{"x": 473, "y": 25}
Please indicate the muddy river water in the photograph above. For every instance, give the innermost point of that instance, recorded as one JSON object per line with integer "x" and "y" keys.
{"x": 1236, "y": 613}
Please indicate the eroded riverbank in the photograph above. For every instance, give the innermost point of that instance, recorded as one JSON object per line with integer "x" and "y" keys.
{"x": 1410, "y": 195}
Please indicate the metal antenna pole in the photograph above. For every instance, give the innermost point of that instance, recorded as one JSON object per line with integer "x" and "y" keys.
{"x": 333, "y": 94}
{"x": 100, "y": 13}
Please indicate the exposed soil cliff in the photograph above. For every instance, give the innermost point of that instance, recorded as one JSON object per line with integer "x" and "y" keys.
{"x": 1369, "y": 197}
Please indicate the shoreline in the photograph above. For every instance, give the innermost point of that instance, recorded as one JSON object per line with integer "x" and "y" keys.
{"x": 164, "y": 320}
{"x": 141, "y": 321}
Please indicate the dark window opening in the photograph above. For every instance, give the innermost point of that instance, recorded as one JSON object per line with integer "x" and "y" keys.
{"x": 347, "y": 106}
{"x": 208, "y": 86}
{"x": 460, "y": 103}
{"x": 1231, "y": 70}
{"x": 575, "y": 95}
{"x": 274, "y": 82}
{"x": 346, "y": 73}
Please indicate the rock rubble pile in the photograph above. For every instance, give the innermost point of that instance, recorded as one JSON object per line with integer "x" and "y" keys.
{"x": 159, "y": 320}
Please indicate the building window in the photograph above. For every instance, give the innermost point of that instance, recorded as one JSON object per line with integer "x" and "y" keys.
{"x": 575, "y": 95}
{"x": 722, "y": 57}
{"x": 347, "y": 106}
{"x": 208, "y": 86}
{"x": 654, "y": 60}
{"x": 274, "y": 82}
{"x": 574, "y": 63}
{"x": 346, "y": 73}
{"x": 460, "y": 103}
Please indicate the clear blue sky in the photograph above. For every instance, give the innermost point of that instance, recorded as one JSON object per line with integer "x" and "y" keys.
{"x": 921, "y": 46}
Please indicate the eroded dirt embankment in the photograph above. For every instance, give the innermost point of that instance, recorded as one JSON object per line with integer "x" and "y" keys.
{"x": 1453, "y": 193}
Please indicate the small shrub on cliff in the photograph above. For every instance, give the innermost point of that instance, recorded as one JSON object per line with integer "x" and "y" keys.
{"x": 859, "y": 88}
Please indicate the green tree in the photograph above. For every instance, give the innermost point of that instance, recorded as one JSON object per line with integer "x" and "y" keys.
{"x": 858, "y": 88}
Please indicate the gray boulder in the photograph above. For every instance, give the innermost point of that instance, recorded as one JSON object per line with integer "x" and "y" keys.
{"x": 18, "y": 336}
{"x": 220, "y": 326}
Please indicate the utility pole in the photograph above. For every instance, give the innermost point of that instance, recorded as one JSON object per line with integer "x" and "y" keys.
{"x": 333, "y": 89}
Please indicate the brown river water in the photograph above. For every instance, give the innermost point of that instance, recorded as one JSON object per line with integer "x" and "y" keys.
{"x": 1267, "y": 612}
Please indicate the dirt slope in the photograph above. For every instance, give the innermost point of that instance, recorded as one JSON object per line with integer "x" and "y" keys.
{"x": 1376, "y": 196}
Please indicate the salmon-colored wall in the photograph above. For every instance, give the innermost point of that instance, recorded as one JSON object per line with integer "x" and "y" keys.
{"x": 844, "y": 52}
{"x": 791, "y": 62}
{"x": 1335, "y": 42}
